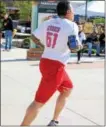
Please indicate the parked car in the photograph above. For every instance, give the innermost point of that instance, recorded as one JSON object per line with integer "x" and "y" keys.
{"x": 24, "y": 27}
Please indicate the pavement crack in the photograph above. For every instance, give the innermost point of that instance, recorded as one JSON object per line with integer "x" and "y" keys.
{"x": 18, "y": 81}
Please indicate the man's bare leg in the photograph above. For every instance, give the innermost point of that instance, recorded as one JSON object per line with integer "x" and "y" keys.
{"x": 31, "y": 113}
{"x": 61, "y": 101}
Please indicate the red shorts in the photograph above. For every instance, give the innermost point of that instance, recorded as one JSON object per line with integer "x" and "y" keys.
{"x": 54, "y": 77}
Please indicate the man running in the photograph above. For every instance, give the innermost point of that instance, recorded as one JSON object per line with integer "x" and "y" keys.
{"x": 53, "y": 36}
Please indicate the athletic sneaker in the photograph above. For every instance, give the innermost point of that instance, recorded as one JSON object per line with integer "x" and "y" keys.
{"x": 78, "y": 62}
{"x": 97, "y": 54}
{"x": 4, "y": 49}
{"x": 8, "y": 50}
{"x": 53, "y": 123}
{"x": 89, "y": 55}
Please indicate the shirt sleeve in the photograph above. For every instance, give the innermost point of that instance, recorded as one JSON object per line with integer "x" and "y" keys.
{"x": 83, "y": 36}
{"x": 39, "y": 33}
{"x": 75, "y": 32}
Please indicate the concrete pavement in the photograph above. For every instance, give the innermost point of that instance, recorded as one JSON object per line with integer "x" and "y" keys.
{"x": 20, "y": 79}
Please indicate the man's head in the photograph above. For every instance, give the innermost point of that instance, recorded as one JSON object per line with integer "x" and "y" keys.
{"x": 6, "y": 16}
{"x": 64, "y": 9}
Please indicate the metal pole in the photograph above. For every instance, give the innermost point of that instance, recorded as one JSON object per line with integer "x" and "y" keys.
{"x": 86, "y": 6}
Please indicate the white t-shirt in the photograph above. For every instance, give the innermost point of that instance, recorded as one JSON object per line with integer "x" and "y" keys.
{"x": 82, "y": 36}
{"x": 54, "y": 35}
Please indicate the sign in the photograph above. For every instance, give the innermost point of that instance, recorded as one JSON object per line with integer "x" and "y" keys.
{"x": 46, "y": 10}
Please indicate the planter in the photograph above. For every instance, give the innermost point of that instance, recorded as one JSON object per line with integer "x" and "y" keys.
{"x": 34, "y": 54}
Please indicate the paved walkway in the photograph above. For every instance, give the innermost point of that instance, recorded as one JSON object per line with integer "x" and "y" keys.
{"x": 20, "y": 79}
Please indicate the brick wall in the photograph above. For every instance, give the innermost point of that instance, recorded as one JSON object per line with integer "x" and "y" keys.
{"x": 34, "y": 54}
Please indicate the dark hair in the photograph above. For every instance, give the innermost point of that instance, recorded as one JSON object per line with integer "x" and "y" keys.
{"x": 78, "y": 23}
{"x": 62, "y": 8}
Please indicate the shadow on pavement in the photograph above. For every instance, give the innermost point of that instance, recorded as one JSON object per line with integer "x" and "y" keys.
{"x": 34, "y": 65}
{"x": 81, "y": 62}
{"x": 14, "y": 60}
{"x": 2, "y": 46}
{"x": 19, "y": 60}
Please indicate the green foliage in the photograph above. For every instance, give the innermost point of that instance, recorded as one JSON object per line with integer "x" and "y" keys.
{"x": 99, "y": 20}
{"x": 25, "y": 9}
{"x": 2, "y": 8}
{"x": 86, "y": 51}
{"x": 26, "y": 43}
{"x": 2, "y": 12}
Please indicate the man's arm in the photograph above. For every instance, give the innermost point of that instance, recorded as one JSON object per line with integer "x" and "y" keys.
{"x": 37, "y": 41}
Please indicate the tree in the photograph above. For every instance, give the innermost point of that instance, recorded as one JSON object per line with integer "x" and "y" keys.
{"x": 2, "y": 8}
{"x": 25, "y": 9}
{"x": 2, "y": 12}
{"x": 99, "y": 20}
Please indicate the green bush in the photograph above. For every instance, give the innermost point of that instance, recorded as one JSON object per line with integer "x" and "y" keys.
{"x": 2, "y": 12}
{"x": 26, "y": 43}
{"x": 99, "y": 20}
{"x": 86, "y": 51}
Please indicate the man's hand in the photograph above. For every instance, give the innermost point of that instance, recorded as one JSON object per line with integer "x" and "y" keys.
{"x": 80, "y": 47}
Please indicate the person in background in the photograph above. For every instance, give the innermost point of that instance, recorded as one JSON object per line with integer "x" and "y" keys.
{"x": 8, "y": 28}
{"x": 1, "y": 27}
{"x": 0, "y": 37}
{"x": 102, "y": 41}
{"x": 89, "y": 42}
{"x": 82, "y": 38}
{"x": 95, "y": 39}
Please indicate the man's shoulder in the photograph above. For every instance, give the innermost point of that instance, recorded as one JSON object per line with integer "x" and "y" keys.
{"x": 46, "y": 22}
{"x": 70, "y": 23}
{"x": 50, "y": 20}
